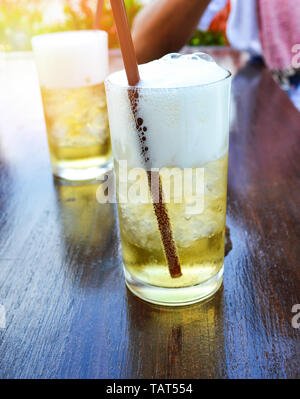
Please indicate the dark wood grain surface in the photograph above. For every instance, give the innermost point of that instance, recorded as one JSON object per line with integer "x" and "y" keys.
{"x": 68, "y": 313}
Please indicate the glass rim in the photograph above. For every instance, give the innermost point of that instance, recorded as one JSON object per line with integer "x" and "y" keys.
{"x": 140, "y": 88}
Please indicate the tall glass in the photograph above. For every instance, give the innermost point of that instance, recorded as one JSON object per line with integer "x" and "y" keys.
{"x": 72, "y": 67}
{"x": 185, "y": 132}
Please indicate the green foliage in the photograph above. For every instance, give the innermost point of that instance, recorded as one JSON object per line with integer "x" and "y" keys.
{"x": 201, "y": 38}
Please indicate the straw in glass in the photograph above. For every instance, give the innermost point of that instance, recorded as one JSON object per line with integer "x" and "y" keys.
{"x": 133, "y": 77}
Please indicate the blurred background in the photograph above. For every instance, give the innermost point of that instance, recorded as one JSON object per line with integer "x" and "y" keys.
{"x": 20, "y": 20}
{"x": 252, "y": 30}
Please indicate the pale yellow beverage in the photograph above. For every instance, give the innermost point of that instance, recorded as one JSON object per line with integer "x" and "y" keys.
{"x": 72, "y": 67}
{"x": 199, "y": 238}
{"x": 77, "y": 126}
{"x": 176, "y": 119}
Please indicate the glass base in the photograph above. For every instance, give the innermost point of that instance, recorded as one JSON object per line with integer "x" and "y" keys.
{"x": 84, "y": 174}
{"x": 174, "y": 296}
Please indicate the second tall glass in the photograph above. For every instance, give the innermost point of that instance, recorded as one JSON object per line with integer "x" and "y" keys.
{"x": 72, "y": 67}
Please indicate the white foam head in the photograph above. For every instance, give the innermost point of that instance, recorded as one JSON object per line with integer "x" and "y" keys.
{"x": 183, "y": 101}
{"x": 175, "y": 71}
{"x": 71, "y": 59}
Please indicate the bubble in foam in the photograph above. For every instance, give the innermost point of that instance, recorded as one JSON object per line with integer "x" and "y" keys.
{"x": 189, "y": 57}
{"x": 68, "y": 60}
{"x": 172, "y": 56}
{"x": 203, "y": 56}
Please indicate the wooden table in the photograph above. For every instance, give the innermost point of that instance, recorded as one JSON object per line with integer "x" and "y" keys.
{"x": 68, "y": 313}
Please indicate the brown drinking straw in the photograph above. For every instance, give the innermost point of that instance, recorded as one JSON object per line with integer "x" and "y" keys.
{"x": 133, "y": 77}
{"x": 98, "y": 14}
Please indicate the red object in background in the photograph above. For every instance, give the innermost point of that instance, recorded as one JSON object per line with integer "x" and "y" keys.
{"x": 84, "y": 7}
{"x": 219, "y": 22}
